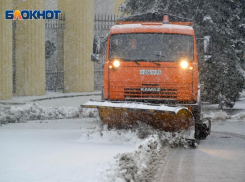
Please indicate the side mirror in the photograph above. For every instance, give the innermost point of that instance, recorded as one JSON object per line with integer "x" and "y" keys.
{"x": 96, "y": 45}
{"x": 207, "y": 49}
{"x": 95, "y": 58}
{"x": 96, "y": 49}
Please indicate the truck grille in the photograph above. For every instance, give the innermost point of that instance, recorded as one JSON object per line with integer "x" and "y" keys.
{"x": 136, "y": 93}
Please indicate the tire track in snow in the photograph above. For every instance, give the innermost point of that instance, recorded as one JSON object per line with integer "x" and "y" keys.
{"x": 231, "y": 134}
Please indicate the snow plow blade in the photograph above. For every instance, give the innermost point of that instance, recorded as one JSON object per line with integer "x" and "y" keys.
{"x": 125, "y": 115}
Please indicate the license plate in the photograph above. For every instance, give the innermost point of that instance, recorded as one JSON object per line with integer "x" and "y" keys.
{"x": 150, "y": 72}
{"x": 150, "y": 89}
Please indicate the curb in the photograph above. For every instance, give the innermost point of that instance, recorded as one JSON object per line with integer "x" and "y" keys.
{"x": 48, "y": 98}
{"x": 63, "y": 97}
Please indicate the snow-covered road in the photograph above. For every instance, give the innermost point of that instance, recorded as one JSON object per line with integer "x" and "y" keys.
{"x": 219, "y": 158}
{"x": 82, "y": 149}
{"x": 52, "y": 151}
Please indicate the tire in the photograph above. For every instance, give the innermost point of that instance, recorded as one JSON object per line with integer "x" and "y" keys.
{"x": 201, "y": 131}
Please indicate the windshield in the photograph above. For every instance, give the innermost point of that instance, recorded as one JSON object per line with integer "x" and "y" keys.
{"x": 151, "y": 47}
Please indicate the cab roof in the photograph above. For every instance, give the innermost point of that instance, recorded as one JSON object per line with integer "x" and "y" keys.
{"x": 152, "y": 22}
{"x": 152, "y": 27}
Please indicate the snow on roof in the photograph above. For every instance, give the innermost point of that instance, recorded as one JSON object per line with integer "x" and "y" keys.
{"x": 146, "y": 24}
{"x": 154, "y": 27}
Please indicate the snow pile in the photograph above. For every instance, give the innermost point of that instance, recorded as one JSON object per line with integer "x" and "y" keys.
{"x": 143, "y": 163}
{"x": 88, "y": 113}
{"x": 175, "y": 139}
{"x": 221, "y": 115}
{"x": 240, "y": 115}
{"x": 2, "y": 115}
{"x": 103, "y": 135}
{"x": 140, "y": 164}
{"x": 36, "y": 112}
{"x": 136, "y": 166}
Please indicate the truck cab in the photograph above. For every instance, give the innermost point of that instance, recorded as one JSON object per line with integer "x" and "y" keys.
{"x": 151, "y": 61}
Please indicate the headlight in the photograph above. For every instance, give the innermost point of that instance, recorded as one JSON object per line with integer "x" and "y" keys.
{"x": 184, "y": 64}
{"x": 116, "y": 63}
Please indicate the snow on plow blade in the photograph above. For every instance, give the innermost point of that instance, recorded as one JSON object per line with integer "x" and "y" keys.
{"x": 124, "y": 115}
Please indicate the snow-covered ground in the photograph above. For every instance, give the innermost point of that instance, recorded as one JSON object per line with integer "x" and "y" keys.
{"x": 79, "y": 150}
{"x": 35, "y": 147}
{"x": 52, "y": 140}
{"x": 52, "y": 151}
{"x": 229, "y": 120}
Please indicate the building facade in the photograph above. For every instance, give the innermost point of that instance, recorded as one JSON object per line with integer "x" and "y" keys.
{"x": 22, "y": 46}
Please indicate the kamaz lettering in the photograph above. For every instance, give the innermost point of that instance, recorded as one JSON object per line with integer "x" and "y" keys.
{"x": 150, "y": 89}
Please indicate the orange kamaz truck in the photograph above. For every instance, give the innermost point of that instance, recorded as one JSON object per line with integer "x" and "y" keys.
{"x": 151, "y": 75}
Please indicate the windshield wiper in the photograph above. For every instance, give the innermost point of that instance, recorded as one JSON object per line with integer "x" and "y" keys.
{"x": 146, "y": 60}
{"x": 158, "y": 64}
{"x": 126, "y": 59}
{"x": 151, "y": 61}
{"x": 159, "y": 55}
{"x": 136, "y": 62}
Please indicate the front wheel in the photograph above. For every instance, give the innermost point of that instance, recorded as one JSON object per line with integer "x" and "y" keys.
{"x": 203, "y": 129}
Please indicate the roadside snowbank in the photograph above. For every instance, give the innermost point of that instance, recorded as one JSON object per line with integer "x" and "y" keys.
{"x": 88, "y": 113}
{"x": 240, "y": 115}
{"x": 137, "y": 165}
{"x": 221, "y": 115}
{"x": 34, "y": 111}
{"x": 142, "y": 163}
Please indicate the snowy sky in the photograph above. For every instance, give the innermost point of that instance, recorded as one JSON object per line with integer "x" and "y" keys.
{"x": 104, "y": 6}
{"x": 101, "y": 6}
